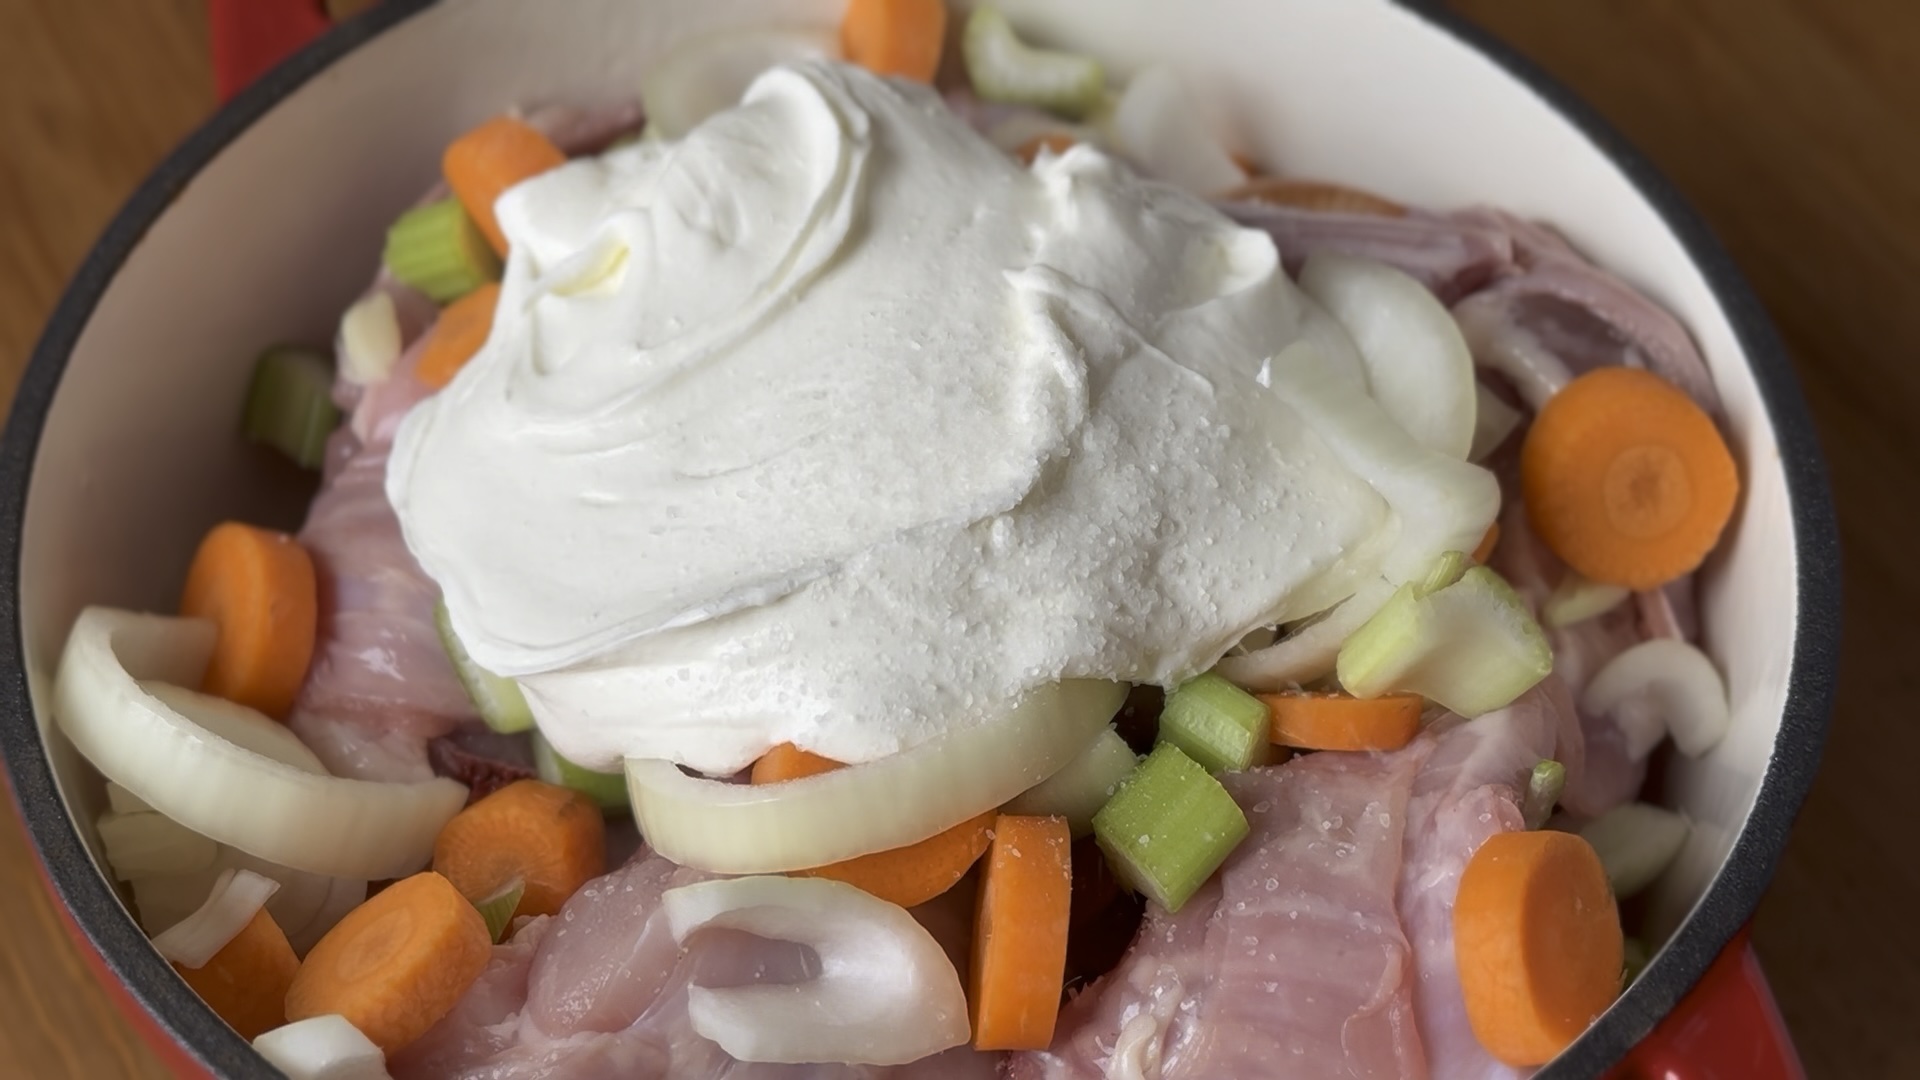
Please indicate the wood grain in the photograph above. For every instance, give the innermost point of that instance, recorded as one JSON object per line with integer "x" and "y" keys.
{"x": 1794, "y": 126}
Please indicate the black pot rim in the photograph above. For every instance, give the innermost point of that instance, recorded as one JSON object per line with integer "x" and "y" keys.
{"x": 1728, "y": 903}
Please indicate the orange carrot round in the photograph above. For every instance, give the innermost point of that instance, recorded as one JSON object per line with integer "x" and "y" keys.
{"x": 1314, "y": 195}
{"x": 1317, "y": 721}
{"x": 258, "y": 586}
{"x": 895, "y": 37}
{"x": 1020, "y": 933}
{"x": 1538, "y": 943}
{"x": 788, "y": 762}
{"x": 459, "y": 332}
{"x": 397, "y": 963}
{"x": 912, "y": 875}
{"x": 554, "y": 839}
{"x": 246, "y": 981}
{"x": 482, "y": 164}
{"x": 1626, "y": 479}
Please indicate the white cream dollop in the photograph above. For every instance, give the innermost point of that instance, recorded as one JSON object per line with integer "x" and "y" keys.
{"x": 831, "y": 424}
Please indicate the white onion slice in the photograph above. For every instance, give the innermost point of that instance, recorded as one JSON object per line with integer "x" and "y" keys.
{"x": 1635, "y": 842}
{"x": 1493, "y": 421}
{"x": 122, "y": 801}
{"x": 146, "y": 844}
{"x": 1157, "y": 126}
{"x": 370, "y": 339}
{"x": 1310, "y": 652}
{"x": 213, "y": 785}
{"x": 886, "y": 993}
{"x": 1442, "y": 503}
{"x": 1576, "y": 599}
{"x": 1674, "y": 681}
{"x": 894, "y": 801}
{"x": 237, "y": 896}
{"x": 711, "y": 73}
{"x": 323, "y": 1048}
{"x": 1418, "y": 367}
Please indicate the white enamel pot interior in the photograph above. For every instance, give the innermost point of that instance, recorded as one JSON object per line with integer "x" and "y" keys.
{"x": 122, "y": 448}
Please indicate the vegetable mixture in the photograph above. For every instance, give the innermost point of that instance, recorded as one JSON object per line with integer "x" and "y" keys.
{"x": 1384, "y": 838}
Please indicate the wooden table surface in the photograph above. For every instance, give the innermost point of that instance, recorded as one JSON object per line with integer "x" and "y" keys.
{"x": 1794, "y": 125}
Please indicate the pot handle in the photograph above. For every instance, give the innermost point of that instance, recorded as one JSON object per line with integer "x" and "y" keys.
{"x": 247, "y": 37}
{"x": 1728, "y": 1028}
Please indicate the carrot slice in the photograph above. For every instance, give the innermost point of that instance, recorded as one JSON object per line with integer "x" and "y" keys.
{"x": 482, "y": 164}
{"x": 789, "y": 762}
{"x": 1538, "y": 943}
{"x": 258, "y": 586}
{"x": 1314, "y": 195}
{"x": 895, "y": 37}
{"x": 1020, "y": 933}
{"x": 397, "y": 963}
{"x": 1626, "y": 479}
{"x": 1487, "y": 543}
{"x": 912, "y": 875}
{"x": 459, "y": 332}
{"x": 246, "y": 981}
{"x": 554, "y": 839}
{"x": 1315, "y": 721}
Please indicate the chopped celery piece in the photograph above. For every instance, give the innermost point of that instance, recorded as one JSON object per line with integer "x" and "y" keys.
{"x": 1079, "y": 790}
{"x": 1544, "y": 785}
{"x": 1635, "y": 956}
{"x": 607, "y": 790}
{"x": 497, "y": 698}
{"x": 498, "y": 909}
{"x": 1575, "y": 600}
{"x": 1004, "y": 68}
{"x": 1215, "y": 723}
{"x": 1635, "y": 842}
{"x": 1447, "y": 569}
{"x": 290, "y": 404}
{"x": 1471, "y": 647}
{"x": 440, "y": 251}
{"x": 1169, "y": 827}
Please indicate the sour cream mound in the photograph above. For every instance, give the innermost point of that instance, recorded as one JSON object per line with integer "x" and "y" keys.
{"x": 831, "y": 424}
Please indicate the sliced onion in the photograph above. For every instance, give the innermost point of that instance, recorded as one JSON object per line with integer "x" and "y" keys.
{"x": 237, "y": 896}
{"x": 886, "y": 993}
{"x": 1635, "y": 842}
{"x": 214, "y": 785}
{"x": 122, "y": 801}
{"x": 1576, "y": 599}
{"x": 370, "y": 340}
{"x": 1418, "y": 367}
{"x": 146, "y": 844}
{"x": 306, "y": 905}
{"x": 711, "y": 73}
{"x": 898, "y": 800}
{"x": 1493, "y": 421}
{"x": 1155, "y": 124}
{"x": 323, "y": 1048}
{"x": 1309, "y": 652}
{"x": 1442, "y": 503}
{"x": 1673, "y": 681}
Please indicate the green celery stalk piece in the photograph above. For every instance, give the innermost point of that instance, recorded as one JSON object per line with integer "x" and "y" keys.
{"x": 1544, "y": 785}
{"x": 1471, "y": 647}
{"x": 290, "y": 404}
{"x": 498, "y": 909}
{"x": 1215, "y": 723}
{"x": 1083, "y": 786}
{"x": 497, "y": 699}
{"x": 440, "y": 251}
{"x": 1446, "y": 570}
{"x": 607, "y": 790}
{"x": 1004, "y": 68}
{"x": 1169, "y": 827}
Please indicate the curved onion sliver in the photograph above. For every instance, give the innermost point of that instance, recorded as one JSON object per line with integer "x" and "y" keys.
{"x": 236, "y": 898}
{"x": 1309, "y": 652}
{"x": 898, "y": 800}
{"x": 886, "y": 993}
{"x": 322, "y": 1048}
{"x": 214, "y": 785}
{"x": 1672, "y": 679}
{"x": 1635, "y": 841}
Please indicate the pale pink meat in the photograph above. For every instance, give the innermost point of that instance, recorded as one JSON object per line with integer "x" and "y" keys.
{"x": 600, "y": 991}
{"x": 1291, "y": 962}
{"x": 1451, "y": 257}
